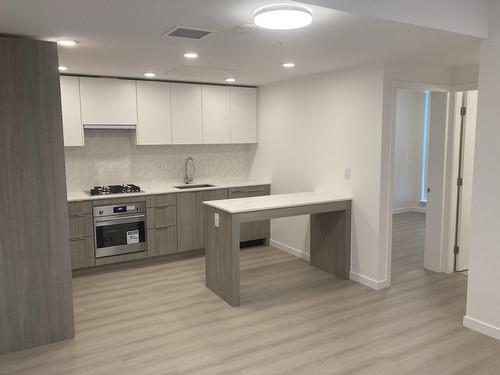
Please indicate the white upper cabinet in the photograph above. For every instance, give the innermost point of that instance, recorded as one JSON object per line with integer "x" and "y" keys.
{"x": 216, "y": 109}
{"x": 108, "y": 101}
{"x": 154, "y": 120}
{"x": 243, "y": 115}
{"x": 186, "y": 114}
{"x": 71, "y": 115}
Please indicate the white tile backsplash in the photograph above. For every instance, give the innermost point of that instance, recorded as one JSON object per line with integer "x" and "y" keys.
{"x": 110, "y": 157}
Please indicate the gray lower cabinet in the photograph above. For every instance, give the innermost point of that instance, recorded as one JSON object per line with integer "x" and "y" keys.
{"x": 258, "y": 229}
{"x": 81, "y": 238}
{"x": 161, "y": 222}
{"x": 190, "y": 221}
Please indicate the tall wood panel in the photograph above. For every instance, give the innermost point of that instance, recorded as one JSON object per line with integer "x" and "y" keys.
{"x": 36, "y": 304}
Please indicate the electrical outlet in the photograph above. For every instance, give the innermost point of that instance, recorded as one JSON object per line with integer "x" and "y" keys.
{"x": 163, "y": 165}
{"x": 216, "y": 220}
{"x": 347, "y": 174}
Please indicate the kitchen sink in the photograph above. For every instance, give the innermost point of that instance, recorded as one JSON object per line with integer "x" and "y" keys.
{"x": 198, "y": 186}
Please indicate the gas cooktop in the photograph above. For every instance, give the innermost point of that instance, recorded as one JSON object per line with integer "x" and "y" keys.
{"x": 114, "y": 189}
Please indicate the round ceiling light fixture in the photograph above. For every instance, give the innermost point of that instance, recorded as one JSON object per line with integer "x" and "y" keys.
{"x": 288, "y": 65}
{"x": 62, "y": 68}
{"x": 149, "y": 75}
{"x": 190, "y": 55}
{"x": 282, "y": 17}
{"x": 230, "y": 80}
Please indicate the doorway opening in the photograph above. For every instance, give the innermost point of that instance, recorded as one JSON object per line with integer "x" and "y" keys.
{"x": 419, "y": 180}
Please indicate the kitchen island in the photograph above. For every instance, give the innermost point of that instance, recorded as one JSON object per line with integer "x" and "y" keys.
{"x": 330, "y": 243}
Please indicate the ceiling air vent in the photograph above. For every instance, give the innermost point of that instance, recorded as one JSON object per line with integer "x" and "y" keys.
{"x": 186, "y": 32}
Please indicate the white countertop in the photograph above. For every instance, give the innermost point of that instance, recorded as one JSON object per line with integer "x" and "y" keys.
{"x": 269, "y": 202}
{"x": 76, "y": 196}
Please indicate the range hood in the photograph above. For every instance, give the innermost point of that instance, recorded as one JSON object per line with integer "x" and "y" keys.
{"x": 109, "y": 126}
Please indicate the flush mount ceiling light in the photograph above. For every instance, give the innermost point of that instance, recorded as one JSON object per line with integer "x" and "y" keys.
{"x": 230, "y": 80}
{"x": 66, "y": 43}
{"x": 288, "y": 65}
{"x": 191, "y": 55}
{"x": 149, "y": 74}
{"x": 62, "y": 68}
{"x": 282, "y": 17}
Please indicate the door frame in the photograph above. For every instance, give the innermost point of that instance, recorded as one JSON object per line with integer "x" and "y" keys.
{"x": 389, "y": 184}
{"x": 449, "y": 267}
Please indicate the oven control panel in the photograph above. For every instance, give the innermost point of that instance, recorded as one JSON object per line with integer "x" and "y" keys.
{"x": 119, "y": 209}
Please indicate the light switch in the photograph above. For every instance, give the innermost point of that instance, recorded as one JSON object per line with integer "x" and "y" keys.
{"x": 347, "y": 174}
{"x": 216, "y": 220}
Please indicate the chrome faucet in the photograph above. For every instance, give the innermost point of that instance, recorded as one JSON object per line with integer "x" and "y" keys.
{"x": 190, "y": 170}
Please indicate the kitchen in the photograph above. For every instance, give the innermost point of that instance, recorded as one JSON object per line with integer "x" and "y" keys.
{"x": 206, "y": 187}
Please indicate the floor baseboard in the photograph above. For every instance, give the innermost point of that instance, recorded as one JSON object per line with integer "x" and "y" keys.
{"x": 369, "y": 282}
{"x": 481, "y": 327}
{"x": 289, "y": 249}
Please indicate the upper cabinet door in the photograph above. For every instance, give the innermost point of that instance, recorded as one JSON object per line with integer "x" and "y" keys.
{"x": 186, "y": 114}
{"x": 243, "y": 115}
{"x": 71, "y": 115}
{"x": 108, "y": 101}
{"x": 154, "y": 120}
{"x": 216, "y": 114}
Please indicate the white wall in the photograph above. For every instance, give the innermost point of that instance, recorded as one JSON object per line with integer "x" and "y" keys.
{"x": 408, "y": 149}
{"x": 310, "y": 130}
{"x": 483, "y": 294}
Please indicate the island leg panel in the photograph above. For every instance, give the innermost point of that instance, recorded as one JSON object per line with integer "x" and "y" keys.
{"x": 331, "y": 242}
{"x": 222, "y": 255}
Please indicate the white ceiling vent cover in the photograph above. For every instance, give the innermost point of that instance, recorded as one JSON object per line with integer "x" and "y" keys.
{"x": 188, "y": 32}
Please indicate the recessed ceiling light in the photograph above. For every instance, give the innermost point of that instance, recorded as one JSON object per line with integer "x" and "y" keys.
{"x": 191, "y": 55}
{"x": 149, "y": 74}
{"x": 66, "y": 42}
{"x": 230, "y": 80}
{"x": 62, "y": 68}
{"x": 282, "y": 17}
{"x": 288, "y": 65}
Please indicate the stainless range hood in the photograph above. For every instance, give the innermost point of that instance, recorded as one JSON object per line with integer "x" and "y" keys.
{"x": 109, "y": 126}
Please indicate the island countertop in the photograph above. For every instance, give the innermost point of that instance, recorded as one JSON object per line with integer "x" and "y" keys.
{"x": 270, "y": 202}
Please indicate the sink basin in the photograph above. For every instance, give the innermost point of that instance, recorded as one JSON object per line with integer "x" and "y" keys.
{"x": 198, "y": 186}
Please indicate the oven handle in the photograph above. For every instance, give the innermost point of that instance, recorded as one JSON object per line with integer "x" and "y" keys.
{"x": 110, "y": 220}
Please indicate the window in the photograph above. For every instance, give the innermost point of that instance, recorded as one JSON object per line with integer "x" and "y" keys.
{"x": 425, "y": 149}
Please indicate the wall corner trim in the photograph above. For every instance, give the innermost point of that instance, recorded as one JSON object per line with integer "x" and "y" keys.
{"x": 369, "y": 282}
{"x": 481, "y": 327}
{"x": 290, "y": 250}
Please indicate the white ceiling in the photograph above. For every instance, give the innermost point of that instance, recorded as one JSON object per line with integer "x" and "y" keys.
{"x": 124, "y": 38}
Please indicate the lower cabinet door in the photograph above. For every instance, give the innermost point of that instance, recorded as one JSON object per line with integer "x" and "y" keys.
{"x": 162, "y": 241}
{"x": 190, "y": 221}
{"x": 82, "y": 252}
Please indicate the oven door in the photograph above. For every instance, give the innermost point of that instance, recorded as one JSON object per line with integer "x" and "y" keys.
{"x": 116, "y": 235}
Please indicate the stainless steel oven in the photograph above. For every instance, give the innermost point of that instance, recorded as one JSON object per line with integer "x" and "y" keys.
{"x": 119, "y": 229}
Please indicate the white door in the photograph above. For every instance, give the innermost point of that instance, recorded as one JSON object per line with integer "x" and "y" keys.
{"x": 216, "y": 114}
{"x": 469, "y": 137}
{"x": 154, "y": 122}
{"x": 108, "y": 101}
{"x": 435, "y": 213}
{"x": 243, "y": 115}
{"x": 71, "y": 114}
{"x": 186, "y": 114}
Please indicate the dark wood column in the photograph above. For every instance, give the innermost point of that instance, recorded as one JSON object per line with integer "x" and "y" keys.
{"x": 36, "y": 304}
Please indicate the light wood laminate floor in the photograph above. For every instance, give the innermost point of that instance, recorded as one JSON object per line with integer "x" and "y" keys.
{"x": 294, "y": 319}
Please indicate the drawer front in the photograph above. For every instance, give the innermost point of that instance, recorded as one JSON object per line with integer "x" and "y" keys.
{"x": 161, "y": 200}
{"x": 78, "y": 208}
{"x": 80, "y": 225}
{"x": 162, "y": 241}
{"x": 124, "y": 200}
{"x": 213, "y": 195}
{"x": 249, "y": 191}
{"x": 161, "y": 216}
{"x": 82, "y": 252}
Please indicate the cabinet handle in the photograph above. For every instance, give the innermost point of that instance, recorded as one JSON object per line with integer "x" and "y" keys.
{"x": 77, "y": 238}
{"x": 77, "y": 215}
{"x": 162, "y": 206}
{"x": 248, "y": 191}
{"x": 163, "y": 226}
